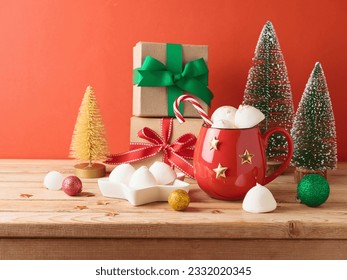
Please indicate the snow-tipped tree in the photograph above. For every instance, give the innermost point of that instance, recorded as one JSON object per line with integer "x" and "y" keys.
{"x": 313, "y": 132}
{"x": 268, "y": 89}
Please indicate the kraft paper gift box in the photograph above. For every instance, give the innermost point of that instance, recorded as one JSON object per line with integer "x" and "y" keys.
{"x": 191, "y": 125}
{"x": 190, "y": 64}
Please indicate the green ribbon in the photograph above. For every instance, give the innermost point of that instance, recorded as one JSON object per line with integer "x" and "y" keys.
{"x": 193, "y": 78}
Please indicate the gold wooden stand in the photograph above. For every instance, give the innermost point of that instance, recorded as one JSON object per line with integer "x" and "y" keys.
{"x": 96, "y": 170}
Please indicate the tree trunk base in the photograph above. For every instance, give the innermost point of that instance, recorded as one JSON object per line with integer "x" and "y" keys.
{"x": 299, "y": 173}
{"x": 83, "y": 170}
{"x": 272, "y": 166}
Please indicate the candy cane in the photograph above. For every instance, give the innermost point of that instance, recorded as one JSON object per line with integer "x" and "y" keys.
{"x": 196, "y": 105}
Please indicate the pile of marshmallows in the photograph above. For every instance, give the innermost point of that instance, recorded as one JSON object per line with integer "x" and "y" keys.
{"x": 245, "y": 116}
{"x": 159, "y": 173}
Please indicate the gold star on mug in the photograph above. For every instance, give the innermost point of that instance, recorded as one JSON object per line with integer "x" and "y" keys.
{"x": 214, "y": 143}
{"x": 220, "y": 171}
{"x": 246, "y": 157}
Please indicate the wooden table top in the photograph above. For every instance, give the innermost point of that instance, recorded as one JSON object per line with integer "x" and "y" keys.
{"x": 31, "y": 213}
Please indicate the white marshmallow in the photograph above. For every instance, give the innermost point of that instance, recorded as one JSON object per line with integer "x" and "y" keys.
{"x": 248, "y": 116}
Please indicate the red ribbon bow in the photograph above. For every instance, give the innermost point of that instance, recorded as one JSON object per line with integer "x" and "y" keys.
{"x": 174, "y": 154}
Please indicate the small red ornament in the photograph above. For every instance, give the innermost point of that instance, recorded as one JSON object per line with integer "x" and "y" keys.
{"x": 72, "y": 185}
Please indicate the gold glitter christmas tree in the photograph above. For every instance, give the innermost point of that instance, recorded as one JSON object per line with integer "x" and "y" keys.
{"x": 88, "y": 140}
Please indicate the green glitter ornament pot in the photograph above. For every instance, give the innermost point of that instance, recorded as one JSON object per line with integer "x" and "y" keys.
{"x": 313, "y": 190}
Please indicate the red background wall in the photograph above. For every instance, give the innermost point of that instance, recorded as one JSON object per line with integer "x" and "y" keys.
{"x": 51, "y": 50}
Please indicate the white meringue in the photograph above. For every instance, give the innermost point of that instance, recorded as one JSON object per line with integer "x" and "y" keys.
{"x": 122, "y": 173}
{"x": 259, "y": 200}
{"x": 224, "y": 113}
{"x": 142, "y": 178}
{"x": 223, "y": 124}
{"x": 248, "y": 116}
{"x": 163, "y": 173}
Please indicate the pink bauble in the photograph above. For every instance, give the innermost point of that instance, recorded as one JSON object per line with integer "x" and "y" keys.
{"x": 72, "y": 185}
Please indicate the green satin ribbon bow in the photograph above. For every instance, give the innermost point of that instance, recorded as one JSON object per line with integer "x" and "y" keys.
{"x": 193, "y": 78}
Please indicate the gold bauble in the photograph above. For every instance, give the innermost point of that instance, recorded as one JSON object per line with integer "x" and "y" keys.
{"x": 179, "y": 200}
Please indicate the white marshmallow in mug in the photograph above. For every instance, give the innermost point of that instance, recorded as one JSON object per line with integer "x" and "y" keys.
{"x": 248, "y": 116}
{"x": 223, "y": 124}
{"x": 224, "y": 113}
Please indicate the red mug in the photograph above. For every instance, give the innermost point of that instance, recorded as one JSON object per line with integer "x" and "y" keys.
{"x": 229, "y": 162}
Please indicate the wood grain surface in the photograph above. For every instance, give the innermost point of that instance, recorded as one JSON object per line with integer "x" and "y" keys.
{"x": 52, "y": 225}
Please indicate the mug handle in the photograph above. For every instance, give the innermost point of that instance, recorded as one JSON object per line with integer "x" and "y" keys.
{"x": 284, "y": 165}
